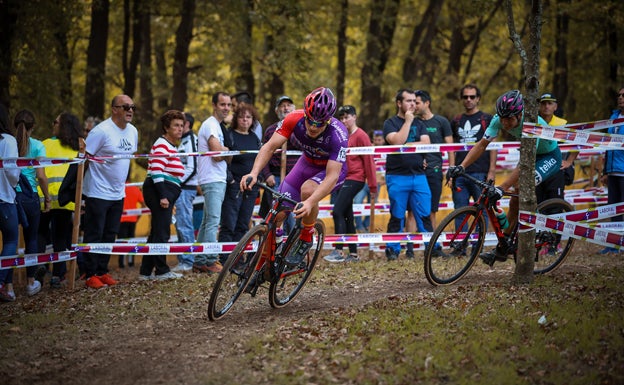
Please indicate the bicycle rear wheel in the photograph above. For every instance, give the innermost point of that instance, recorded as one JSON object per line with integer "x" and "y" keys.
{"x": 551, "y": 249}
{"x": 285, "y": 288}
{"x": 238, "y": 269}
{"x": 452, "y": 251}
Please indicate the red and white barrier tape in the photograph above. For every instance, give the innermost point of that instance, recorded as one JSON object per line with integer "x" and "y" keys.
{"x": 363, "y": 209}
{"x": 576, "y": 230}
{"x": 26, "y": 260}
{"x": 156, "y": 248}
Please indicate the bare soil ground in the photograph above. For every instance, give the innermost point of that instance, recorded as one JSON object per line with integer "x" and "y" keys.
{"x": 158, "y": 332}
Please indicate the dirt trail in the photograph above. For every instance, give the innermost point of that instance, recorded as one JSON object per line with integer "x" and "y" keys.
{"x": 162, "y": 334}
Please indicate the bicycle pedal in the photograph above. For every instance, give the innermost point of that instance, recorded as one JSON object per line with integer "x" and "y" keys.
{"x": 488, "y": 259}
{"x": 458, "y": 253}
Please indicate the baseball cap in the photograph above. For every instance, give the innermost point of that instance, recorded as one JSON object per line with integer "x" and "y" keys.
{"x": 281, "y": 99}
{"x": 346, "y": 110}
{"x": 547, "y": 98}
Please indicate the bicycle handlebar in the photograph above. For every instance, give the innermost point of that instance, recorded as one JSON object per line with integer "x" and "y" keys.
{"x": 491, "y": 190}
{"x": 276, "y": 193}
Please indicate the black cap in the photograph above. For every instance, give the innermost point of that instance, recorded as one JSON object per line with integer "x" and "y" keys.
{"x": 281, "y": 99}
{"x": 548, "y": 97}
{"x": 346, "y": 110}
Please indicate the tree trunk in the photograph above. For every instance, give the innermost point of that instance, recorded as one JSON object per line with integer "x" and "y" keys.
{"x": 280, "y": 55}
{"x": 96, "y": 59}
{"x": 530, "y": 60}
{"x": 66, "y": 94}
{"x": 133, "y": 25}
{"x": 560, "y": 80}
{"x": 245, "y": 79}
{"x": 146, "y": 102}
{"x": 611, "y": 31}
{"x": 420, "y": 65}
{"x": 381, "y": 28}
{"x": 275, "y": 83}
{"x": 482, "y": 25}
{"x": 161, "y": 77}
{"x": 342, "y": 52}
{"x": 8, "y": 20}
{"x": 184, "y": 35}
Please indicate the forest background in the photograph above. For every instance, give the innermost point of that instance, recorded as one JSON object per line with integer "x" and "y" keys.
{"x": 71, "y": 55}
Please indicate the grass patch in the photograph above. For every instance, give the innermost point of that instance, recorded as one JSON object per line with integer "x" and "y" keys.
{"x": 481, "y": 333}
{"x": 370, "y": 322}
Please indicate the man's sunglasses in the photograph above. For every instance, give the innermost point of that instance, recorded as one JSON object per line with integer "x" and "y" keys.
{"x": 316, "y": 124}
{"x": 471, "y": 97}
{"x": 127, "y": 107}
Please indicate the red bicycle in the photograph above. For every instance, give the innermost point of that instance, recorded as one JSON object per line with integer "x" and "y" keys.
{"x": 258, "y": 258}
{"x": 458, "y": 240}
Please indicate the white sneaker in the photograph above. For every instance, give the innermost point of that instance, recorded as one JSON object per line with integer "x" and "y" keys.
{"x": 168, "y": 275}
{"x": 182, "y": 267}
{"x": 335, "y": 256}
{"x": 34, "y": 288}
{"x": 145, "y": 277}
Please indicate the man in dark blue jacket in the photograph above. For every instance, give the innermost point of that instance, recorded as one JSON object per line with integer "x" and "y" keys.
{"x": 613, "y": 173}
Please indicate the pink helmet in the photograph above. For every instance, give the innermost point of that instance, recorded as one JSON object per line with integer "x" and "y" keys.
{"x": 320, "y": 105}
{"x": 510, "y": 104}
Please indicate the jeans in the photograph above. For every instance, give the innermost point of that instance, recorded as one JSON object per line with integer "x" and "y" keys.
{"x": 343, "y": 211}
{"x": 33, "y": 213}
{"x": 213, "y": 200}
{"x": 184, "y": 222}
{"x": 468, "y": 190}
{"x": 236, "y": 212}
{"x": 10, "y": 233}
{"x": 408, "y": 191}
{"x": 101, "y": 218}
{"x": 361, "y": 223}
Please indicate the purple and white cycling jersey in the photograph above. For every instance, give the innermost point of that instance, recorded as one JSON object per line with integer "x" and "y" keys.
{"x": 331, "y": 144}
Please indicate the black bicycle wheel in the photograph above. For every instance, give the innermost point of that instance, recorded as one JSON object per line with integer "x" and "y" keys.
{"x": 285, "y": 288}
{"x": 551, "y": 249}
{"x": 238, "y": 269}
{"x": 452, "y": 250}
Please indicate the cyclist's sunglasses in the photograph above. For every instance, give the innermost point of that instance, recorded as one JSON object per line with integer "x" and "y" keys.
{"x": 316, "y": 124}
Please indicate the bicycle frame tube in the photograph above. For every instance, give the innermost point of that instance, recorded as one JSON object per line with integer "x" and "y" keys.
{"x": 270, "y": 245}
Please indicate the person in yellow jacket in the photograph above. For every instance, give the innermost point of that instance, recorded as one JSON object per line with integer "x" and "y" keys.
{"x": 556, "y": 184}
{"x": 57, "y": 224}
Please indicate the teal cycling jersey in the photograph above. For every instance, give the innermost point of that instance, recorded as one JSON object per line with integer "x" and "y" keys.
{"x": 544, "y": 146}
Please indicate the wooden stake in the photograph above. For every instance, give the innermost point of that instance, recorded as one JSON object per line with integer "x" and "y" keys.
{"x": 77, "y": 210}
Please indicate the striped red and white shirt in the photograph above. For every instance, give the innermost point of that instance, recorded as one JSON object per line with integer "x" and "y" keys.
{"x": 162, "y": 169}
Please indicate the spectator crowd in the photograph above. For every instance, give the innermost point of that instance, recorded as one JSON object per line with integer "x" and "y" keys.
{"x": 29, "y": 197}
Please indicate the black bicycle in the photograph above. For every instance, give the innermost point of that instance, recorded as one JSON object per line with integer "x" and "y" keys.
{"x": 458, "y": 240}
{"x": 258, "y": 258}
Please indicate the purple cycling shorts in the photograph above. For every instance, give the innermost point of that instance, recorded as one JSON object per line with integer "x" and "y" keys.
{"x": 303, "y": 171}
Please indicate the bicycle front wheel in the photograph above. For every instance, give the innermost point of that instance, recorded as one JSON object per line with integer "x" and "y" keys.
{"x": 285, "y": 288}
{"x": 238, "y": 269}
{"x": 454, "y": 246}
{"x": 551, "y": 249}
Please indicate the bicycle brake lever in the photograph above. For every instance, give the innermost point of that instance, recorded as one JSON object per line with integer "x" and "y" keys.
{"x": 299, "y": 220}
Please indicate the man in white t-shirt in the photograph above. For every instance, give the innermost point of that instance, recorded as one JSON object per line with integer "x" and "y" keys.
{"x": 104, "y": 185}
{"x": 212, "y": 174}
